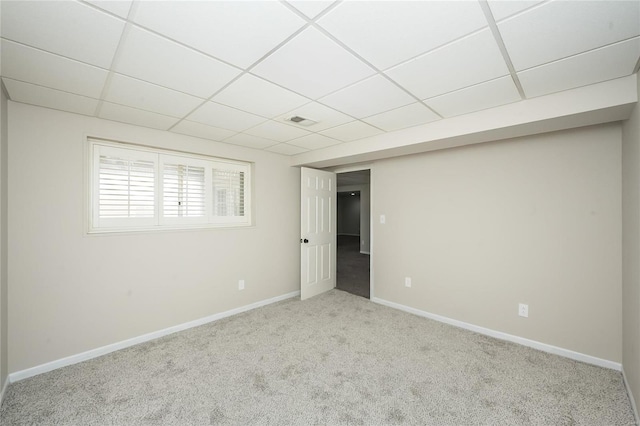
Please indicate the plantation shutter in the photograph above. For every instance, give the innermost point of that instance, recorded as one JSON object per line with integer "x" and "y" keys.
{"x": 230, "y": 193}
{"x": 184, "y": 191}
{"x": 140, "y": 188}
{"x": 228, "y": 189}
{"x": 183, "y": 194}
{"x": 125, "y": 193}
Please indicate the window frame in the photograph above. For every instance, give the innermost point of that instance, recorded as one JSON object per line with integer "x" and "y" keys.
{"x": 161, "y": 156}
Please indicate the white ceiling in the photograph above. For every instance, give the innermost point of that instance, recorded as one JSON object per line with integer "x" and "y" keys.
{"x": 234, "y": 71}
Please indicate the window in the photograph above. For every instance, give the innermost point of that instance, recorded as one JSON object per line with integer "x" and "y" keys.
{"x": 135, "y": 188}
{"x": 184, "y": 193}
{"x": 228, "y": 192}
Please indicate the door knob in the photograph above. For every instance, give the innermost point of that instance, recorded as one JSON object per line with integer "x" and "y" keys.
{"x": 304, "y": 241}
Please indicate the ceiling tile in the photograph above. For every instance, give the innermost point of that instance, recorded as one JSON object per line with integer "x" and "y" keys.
{"x": 352, "y": 131}
{"x": 311, "y": 8}
{"x": 70, "y": 29}
{"x": 139, "y": 94}
{"x": 468, "y": 61}
{"x": 314, "y": 141}
{"x": 257, "y": 96}
{"x": 313, "y": 65}
{"x": 49, "y": 98}
{"x": 155, "y": 59}
{"x": 202, "y": 130}
{"x": 239, "y": 32}
{"x": 286, "y": 149}
{"x": 176, "y": 54}
{"x": 324, "y": 117}
{"x": 403, "y": 117}
{"x": 613, "y": 61}
{"x": 276, "y": 131}
{"x": 250, "y": 141}
{"x": 119, "y": 7}
{"x": 504, "y": 8}
{"x": 388, "y": 32}
{"x": 225, "y": 117}
{"x": 371, "y": 96}
{"x": 475, "y": 98}
{"x": 31, "y": 65}
{"x": 135, "y": 116}
{"x": 559, "y": 29}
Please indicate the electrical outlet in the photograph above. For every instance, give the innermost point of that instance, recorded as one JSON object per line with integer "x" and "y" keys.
{"x": 523, "y": 310}
{"x": 241, "y": 285}
{"x": 407, "y": 281}
{"x": 383, "y": 219}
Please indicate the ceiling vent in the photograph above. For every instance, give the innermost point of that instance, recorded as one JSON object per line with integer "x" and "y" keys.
{"x": 301, "y": 121}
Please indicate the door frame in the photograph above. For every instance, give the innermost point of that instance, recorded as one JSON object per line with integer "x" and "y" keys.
{"x": 355, "y": 168}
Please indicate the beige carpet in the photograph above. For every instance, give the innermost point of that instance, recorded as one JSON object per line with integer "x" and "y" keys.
{"x": 334, "y": 359}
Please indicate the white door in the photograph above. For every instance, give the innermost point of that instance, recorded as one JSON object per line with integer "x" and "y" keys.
{"x": 317, "y": 232}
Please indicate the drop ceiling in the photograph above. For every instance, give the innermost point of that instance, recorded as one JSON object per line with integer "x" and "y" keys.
{"x": 236, "y": 71}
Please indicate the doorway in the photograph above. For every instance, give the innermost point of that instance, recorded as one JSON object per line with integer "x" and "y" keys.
{"x": 353, "y": 232}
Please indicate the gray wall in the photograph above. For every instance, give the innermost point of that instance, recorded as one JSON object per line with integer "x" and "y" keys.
{"x": 631, "y": 251}
{"x": 348, "y": 213}
{"x": 72, "y": 292}
{"x": 482, "y": 228}
{"x": 365, "y": 214}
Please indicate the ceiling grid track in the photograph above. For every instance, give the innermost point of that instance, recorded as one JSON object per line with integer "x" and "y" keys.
{"x": 315, "y": 25}
{"x": 636, "y": 69}
{"x": 265, "y": 56}
{"x": 236, "y": 72}
{"x": 116, "y": 55}
{"x": 378, "y": 71}
{"x": 248, "y": 71}
{"x": 484, "y": 5}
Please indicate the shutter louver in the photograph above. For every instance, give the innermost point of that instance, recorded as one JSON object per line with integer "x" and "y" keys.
{"x": 126, "y": 188}
{"x": 228, "y": 193}
{"x": 183, "y": 191}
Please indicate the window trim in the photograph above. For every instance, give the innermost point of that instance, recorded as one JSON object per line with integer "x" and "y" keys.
{"x": 160, "y": 223}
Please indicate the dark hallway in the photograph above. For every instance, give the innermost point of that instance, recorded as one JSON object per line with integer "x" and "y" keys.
{"x": 352, "y": 266}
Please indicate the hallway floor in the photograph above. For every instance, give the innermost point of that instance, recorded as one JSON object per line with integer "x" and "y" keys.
{"x": 352, "y": 267}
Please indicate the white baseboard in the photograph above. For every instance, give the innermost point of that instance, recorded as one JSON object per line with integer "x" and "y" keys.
{"x": 3, "y": 392}
{"x": 504, "y": 336}
{"x": 364, "y": 252}
{"x": 94, "y": 353}
{"x": 631, "y": 399}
